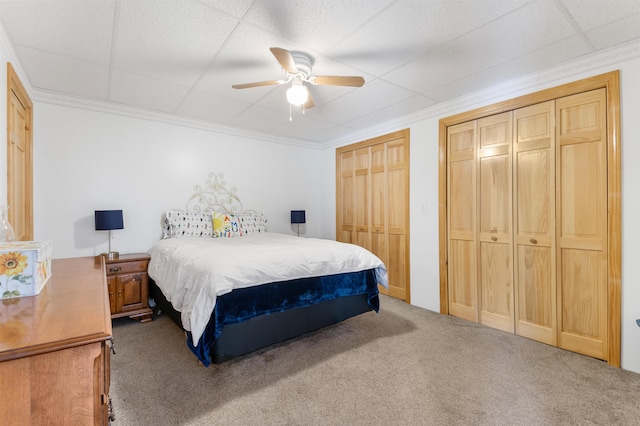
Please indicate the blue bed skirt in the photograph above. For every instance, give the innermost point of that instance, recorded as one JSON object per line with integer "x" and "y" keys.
{"x": 244, "y": 304}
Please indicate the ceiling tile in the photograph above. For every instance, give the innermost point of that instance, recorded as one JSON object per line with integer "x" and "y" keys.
{"x": 617, "y": 32}
{"x": 358, "y": 102}
{"x": 236, "y": 8}
{"x": 81, "y": 29}
{"x": 260, "y": 119}
{"x": 300, "y": 127}
{"x": 208, "y": 107}
{"x": 64, "y": 74}
{"x": 167, "y": 40}
{"x": 408, "y": 28}
{"x": 399, "y": 109}
{"x": 542, "y": 58}
{"x": 503, "y": 39}
{"x": 314, "y": 24}
{"x": 144, "y": 92}
{"x": 590, "y": 14}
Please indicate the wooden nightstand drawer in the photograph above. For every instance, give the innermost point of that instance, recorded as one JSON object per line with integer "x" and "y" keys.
{"x": 127, "y": 267}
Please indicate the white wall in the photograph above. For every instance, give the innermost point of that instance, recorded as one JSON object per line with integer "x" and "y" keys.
{"x": 86, "y": 160}
{"x": 425, "y": 286}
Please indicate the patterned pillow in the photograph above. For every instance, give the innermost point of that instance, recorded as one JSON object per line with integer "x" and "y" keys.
{"x": 225, "y": 225}
{"x": 179, "y": 223}
{"x": 252, "y": 223}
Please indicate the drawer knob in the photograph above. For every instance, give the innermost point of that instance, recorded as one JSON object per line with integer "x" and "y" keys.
{"x": 115, "y": 269}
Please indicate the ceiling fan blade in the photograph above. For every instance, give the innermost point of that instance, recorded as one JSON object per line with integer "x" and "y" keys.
{"x": 309, "y": 104}
{"x": 334, "y": 80}
{"x": 258, "y": 84}
{"x": 285, "y": 59}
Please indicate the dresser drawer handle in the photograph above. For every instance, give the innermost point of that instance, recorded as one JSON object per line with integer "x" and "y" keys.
{"x": 115, "y": 269}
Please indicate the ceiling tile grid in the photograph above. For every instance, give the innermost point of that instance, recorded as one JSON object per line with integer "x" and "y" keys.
{"x": 181, "y": 57}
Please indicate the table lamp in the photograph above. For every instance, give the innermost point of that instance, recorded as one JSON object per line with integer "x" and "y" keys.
{"x": 107, "y": 220}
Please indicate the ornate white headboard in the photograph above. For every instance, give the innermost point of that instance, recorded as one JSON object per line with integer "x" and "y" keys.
{"x": 214, "y": 196}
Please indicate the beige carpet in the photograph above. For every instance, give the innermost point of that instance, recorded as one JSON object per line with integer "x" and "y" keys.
{"x": 403, "y": 366}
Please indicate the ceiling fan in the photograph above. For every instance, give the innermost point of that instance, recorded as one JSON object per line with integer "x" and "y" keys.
{"x": 297, "y": 66}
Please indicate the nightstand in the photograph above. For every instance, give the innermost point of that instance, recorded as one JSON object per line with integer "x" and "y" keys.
{"x": 128, "y": 285}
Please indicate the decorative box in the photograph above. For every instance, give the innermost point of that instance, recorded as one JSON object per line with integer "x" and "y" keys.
{"x": 25, "y": 267}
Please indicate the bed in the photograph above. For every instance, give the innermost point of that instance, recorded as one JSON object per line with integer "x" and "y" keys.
{"x": 236, "y": 288}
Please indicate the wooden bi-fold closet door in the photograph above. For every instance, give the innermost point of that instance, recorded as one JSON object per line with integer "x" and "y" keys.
{"x": 527, "y": 228}
{"x": 372, "y": 203}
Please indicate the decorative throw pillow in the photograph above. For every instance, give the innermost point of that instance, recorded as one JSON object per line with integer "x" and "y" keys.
{"x": 252, "y": 223}
{"x": 179, "y": 223}
{"x": 225, "y": 225}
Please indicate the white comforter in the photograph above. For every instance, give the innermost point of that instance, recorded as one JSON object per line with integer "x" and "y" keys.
{"x": 193, "y": 271}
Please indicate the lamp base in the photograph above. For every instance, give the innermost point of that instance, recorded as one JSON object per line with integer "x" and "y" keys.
{"x": 111, "y": 255}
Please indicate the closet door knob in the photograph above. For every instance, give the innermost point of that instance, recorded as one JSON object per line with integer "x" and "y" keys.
{"x": 494, "y": 238}
{"x": 533, "y": 241}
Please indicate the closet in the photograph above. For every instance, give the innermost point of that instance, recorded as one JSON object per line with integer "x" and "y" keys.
{"x": 372, "y": 203}
{"x": 530, "y": 216}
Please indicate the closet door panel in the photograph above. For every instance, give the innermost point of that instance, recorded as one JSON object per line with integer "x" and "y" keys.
{"x": 582, "y": 218}
{"x": 534, "y": 204}
{"x": 536, "y": 295}
{"x": 346, "y": 191}
{"x": 396, "y": 231}
{"x": 494, "y": 222}
{"x": 462, "y": 265}
{"x": 362, "y": 198}
{"x": 378, "y": 229}
{"x": 496, "y": 290}
{"x": 462, "y": 280}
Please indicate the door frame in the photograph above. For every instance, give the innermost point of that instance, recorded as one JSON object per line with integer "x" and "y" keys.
{"x": 610, "y": 81}
{"x": 14, "y": 85}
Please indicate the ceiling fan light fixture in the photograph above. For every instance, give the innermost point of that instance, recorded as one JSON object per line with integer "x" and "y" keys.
{"x": 297, "y": 94}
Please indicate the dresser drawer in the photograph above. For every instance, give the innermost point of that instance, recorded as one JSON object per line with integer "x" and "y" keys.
{"x": 126, "y": 267}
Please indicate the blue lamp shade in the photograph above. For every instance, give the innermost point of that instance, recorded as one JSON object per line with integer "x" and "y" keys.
{"x": 297, "y": 216}
{"x": 106, "y": 220}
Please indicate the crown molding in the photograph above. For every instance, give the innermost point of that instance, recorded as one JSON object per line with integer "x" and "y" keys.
{"x": 56, "y": 98}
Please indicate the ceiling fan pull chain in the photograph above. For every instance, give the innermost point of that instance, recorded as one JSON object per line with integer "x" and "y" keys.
{"x": 290, "y": 118}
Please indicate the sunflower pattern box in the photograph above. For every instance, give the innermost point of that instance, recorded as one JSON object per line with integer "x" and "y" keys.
{"x": 25, "y": 267}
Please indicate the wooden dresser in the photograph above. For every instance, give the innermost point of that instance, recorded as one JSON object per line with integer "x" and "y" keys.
{"x": 54, "y": 349}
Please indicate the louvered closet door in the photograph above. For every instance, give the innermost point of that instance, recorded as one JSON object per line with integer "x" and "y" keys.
{"x": 461, "y": 220}
{"x": 534, "y": 222}
{"x": 582, "y": 223}
{"x": 494, "y": 219}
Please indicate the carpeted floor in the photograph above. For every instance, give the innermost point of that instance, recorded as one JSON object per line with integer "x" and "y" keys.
{"x": 403, "y": 366}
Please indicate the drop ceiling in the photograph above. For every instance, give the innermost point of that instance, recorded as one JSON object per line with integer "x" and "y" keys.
{"x": 179, "y": 58}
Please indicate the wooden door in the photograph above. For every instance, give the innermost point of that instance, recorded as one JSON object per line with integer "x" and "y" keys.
{"x": 362, "y": 195}
{"x": 461, "y": 187}
{"x": 372, "y": 203}
{"x": 581, "y": 201}
{"x": 346, "y": 197}
{"x": 495, "y": 272}
{"x": 534, "y": 222}
{"x": 19, "y": 158}
{"x": 378, "y": 218}
{"x": 397, "y": 217}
